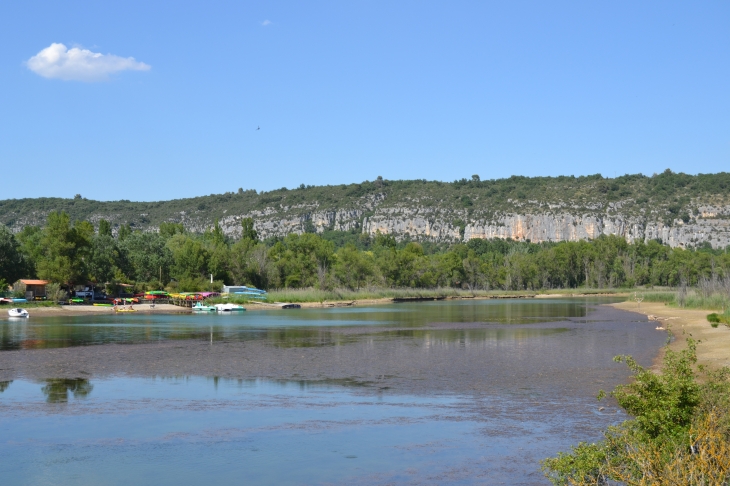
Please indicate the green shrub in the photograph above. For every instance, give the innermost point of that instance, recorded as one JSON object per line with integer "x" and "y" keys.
{"x": 19, "y": 290}
{"x": 716, "y": 319}
{"x": 681, "y": 407}
{"x": 55, "y": 293}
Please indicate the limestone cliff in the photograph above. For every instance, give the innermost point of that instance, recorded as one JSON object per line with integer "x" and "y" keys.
{"x": 681, "y": 210}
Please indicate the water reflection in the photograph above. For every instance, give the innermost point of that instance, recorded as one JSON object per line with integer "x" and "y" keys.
{"x": 4, "y": 385}
{"x": 57, "y": 389}
{"x": 195, "y": 430}
{"x": 308, "y": 327}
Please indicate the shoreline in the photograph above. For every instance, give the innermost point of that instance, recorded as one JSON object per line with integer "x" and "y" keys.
{"x": 85, "y": 310}
{"x": 713, "y": 344}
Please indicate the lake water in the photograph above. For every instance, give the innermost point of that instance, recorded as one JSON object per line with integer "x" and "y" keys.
{"x": 462, "y": 392}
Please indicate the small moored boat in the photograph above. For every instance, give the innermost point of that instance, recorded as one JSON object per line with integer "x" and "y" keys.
{"x": 18, "y": 313}
{"x": 229, "y": 308}
{"x": 199, "y": 307}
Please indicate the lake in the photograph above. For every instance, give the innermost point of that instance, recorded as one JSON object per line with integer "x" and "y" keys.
{"x": 462, "y": 392}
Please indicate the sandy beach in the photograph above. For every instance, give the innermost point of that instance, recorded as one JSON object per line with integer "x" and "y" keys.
{"x": 713, "y": 349}
{"x": 85, "y": 310}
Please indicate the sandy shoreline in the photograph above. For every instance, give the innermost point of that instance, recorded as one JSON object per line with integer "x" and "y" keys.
{"x": 713, "y": 349}
{"x": 84, "y": 310}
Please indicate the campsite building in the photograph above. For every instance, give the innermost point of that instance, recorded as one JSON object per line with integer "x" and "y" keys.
{"x": 35, "y": 289}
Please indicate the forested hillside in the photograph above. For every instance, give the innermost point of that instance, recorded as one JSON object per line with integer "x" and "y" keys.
{"x": 678, "y": 209}
{"x": 76, "y": 253}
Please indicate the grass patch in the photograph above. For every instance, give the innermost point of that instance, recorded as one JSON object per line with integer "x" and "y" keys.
{"x": 660, "y": 297}
{"x": 375, "y": 293}
{"x": 712, "y": 302}
{"x": 692, "y": 300}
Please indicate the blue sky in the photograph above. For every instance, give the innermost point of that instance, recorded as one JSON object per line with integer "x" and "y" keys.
{"x": 347, "y": 91}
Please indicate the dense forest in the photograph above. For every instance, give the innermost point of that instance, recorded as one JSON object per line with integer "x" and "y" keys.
{"x": 77, "y": 253}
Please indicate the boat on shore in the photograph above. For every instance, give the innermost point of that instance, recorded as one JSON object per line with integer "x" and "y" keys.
{"x": 18, "y": 312}
{"x": 229, "y": 308}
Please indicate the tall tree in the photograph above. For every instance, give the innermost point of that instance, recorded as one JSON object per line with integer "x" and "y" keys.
{"x": 146, "y": 257}
{"x": 12, "y": 264}
{"x": 124, "y": 231}
{"x": 105, "y": 228}
{"x": 168, "y": 230}
{"x": 247, "y": 230}
{"x": 104, "y": 258}
{"x": 63, "y": 247}
{"x": 190, "y": 257}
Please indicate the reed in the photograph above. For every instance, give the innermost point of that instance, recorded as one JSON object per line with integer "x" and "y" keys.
{"x": 689, "y": 299}
{"x": 376, "y": 293}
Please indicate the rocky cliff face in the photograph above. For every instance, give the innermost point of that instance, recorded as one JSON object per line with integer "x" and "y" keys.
{"x": 679, "y": 209}
{"x": 711, "y": 224}
{"x": 571, "y": 227}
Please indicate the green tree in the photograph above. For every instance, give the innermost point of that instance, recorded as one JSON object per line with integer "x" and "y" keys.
{"x": 250, "y": 264}
{"x": 105, "y": 228}
{"x": 168, "y": 230}
{"x": 12, "y": 264}
{"x": 189, "y": 256}
{"x": 30, "y": 246}
{"x": 299, "y": 259}
{"x": 144, "y": 256}
{"x": 247, "y": 230}
{"x": 474, "y": 273}
{"x": 124, "y": 231}
{"x": 219, "y": 262}
{"x": 104, "y": 258}
{"x": 64, "y": 250}
{"x": 353, "y": 267}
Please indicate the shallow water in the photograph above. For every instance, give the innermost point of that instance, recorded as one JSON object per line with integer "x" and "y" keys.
{"x": 429, "y": 393}
{"x": 286, "y": 327}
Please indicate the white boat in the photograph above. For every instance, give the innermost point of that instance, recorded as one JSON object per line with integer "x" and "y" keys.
{"x": 18, "y": 313}
{"x": 199, "y": 307}
{"x": 229, "y": 308}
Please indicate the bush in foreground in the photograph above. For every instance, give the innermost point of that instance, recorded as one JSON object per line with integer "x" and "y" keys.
{"x": 680, "y": 433}
{"x": 714, "y": 319}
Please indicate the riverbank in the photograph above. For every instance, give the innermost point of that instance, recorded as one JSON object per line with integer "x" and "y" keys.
{"x": 318, "y": 296}
{"x": 713, "y": 348}
{"x": 88, "y": 310}
{"x": 311, "y": 300}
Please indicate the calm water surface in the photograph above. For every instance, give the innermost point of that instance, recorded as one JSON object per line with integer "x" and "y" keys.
{"x": 198, "y": 429}
{"x": 287, "y": 327}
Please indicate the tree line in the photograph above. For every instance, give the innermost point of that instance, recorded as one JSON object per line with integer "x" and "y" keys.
{"x": 76, "y": 253}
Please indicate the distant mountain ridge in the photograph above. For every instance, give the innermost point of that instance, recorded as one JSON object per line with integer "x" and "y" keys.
{"x": 680, "y": 209}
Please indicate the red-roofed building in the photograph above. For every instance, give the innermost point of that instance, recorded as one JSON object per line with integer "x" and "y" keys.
{"x": 35, "y": 289}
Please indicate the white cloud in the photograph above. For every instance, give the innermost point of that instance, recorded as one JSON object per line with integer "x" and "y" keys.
{"x": 57, "y": 61}
{"x": 266, "y": 23}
